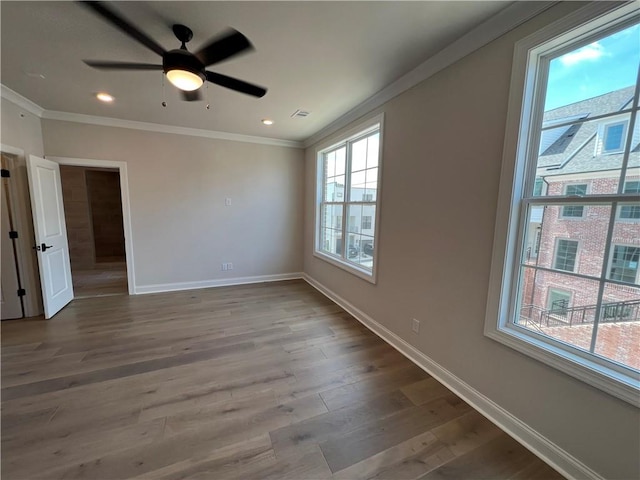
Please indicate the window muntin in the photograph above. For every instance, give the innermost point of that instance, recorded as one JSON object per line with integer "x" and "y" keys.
{"x": 513, "y": 299}
{"x": 350, "y": 168}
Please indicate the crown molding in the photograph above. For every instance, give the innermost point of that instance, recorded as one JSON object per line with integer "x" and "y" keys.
{"x": 156, "y": 127}
{"x": 504, "y": 21}
{"x": 19, "y": 100}
{"x": 37, "y": 110}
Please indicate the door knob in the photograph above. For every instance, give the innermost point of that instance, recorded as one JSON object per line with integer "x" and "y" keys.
{"x": 44, "y": 247}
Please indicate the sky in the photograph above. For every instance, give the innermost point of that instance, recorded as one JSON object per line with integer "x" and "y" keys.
{"x": 603, "y": 66}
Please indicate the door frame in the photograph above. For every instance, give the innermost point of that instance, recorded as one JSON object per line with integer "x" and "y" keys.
{"x": 126, "y": 209}
{"x": 22, "y": 220}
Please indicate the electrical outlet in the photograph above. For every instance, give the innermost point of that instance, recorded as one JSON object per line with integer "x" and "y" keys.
{"x": 229, "y": 266}
{"x": 415, "y": 325}
{"x": 227, "y": 202}
{"x": 223, "y": 267}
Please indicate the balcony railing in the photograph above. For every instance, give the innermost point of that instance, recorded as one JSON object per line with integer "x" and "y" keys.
{"x": 627, "y": 311}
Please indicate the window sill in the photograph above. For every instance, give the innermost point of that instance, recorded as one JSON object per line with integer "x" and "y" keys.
{"x": 612, "y": 381}
{"x": 347, "y": 266}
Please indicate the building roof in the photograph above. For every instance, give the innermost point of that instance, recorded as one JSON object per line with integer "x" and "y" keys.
{"x": 576, "y": 147}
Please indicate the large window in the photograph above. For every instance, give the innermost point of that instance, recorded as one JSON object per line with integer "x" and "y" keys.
{"x": 348, "y": 194}
{"x": 576, "y": 304}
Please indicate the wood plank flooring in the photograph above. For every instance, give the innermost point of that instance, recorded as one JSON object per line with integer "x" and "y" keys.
{"x": 267, "y": 381}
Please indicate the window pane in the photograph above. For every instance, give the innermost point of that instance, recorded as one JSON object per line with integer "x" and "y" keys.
{"x": 580, "y": 149}
{"x": 355, "y": 218}
{"x": 331, "y": 217}
{"x": 330, "y": 164}
{"x": 340, "y": 161}
{"x": 371, "y": 193}
{"x": 373, "y": 147}
{"x": 575, "y": 246}
{"x": 334, "y": 189}
{"x": 331, "y": 241}
{"x": 594, "y": 70}
{"x": 359, "y": 155}
{"x": 557, "y": 305}
{"x": 358, "y": 185}
{"x": 618, "y": 336}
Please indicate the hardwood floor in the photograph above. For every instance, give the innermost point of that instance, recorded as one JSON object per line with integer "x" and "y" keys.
{"x": 107, "y": 278}
{"x": 248, "y": 382}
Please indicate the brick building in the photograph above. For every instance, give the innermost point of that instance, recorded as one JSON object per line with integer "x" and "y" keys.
{"x": 578, "y": 157}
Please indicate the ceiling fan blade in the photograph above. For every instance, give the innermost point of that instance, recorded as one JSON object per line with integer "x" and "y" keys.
{"x": 220, "y": 48}
{"x": 235, "y": 84}
{"x": 119, "y": 22}
{"x": 192, "y": 96}
{"x": 106, "y": 65}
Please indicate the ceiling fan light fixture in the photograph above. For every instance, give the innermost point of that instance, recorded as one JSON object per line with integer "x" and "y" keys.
{"x": 185, "y": 80}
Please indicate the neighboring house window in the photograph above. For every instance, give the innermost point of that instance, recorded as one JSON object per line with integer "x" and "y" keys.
{"x": 566, "y": 253}
{"x": 624, "y": 263}
{"x": 558, "y": 301}
{"x": 574, "y": 211}
{"x": 347, "y": 201}
{"x": 614, "y": 137}
{"x": 556, "y": 76}
{"x": 631, "y": 212}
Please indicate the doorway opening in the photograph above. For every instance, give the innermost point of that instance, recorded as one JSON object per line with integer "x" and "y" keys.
{"x": 92, "y": 200}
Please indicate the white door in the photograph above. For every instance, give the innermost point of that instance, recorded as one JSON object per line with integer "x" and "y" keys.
{"x": 10, "y": 304}
{"x": 52, "y": 247}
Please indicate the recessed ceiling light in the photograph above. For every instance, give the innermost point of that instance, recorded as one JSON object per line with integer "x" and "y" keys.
{"x": 267, "y": 121}
{"x": 104, "y": 97}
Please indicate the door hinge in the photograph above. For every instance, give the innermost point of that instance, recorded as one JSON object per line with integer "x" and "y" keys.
{"x": 5, "y": 173}
{"x": 22, "y": 292}
{"x": 13, "y": 234}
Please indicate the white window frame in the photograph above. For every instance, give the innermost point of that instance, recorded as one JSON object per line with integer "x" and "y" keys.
{"x": 374, "y": 123}
{"x": 521, "y": 142}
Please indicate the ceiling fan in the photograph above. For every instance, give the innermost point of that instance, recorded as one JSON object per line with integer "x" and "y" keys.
{"x": 183, "y": 69}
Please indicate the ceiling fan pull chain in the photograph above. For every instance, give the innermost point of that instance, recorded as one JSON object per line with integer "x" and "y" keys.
{"x": 206, "y": 94}
{"x": 164, "y": 103}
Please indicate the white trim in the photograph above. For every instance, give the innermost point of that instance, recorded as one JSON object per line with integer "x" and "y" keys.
{"x": 19, "y": 100}
{"x": 561, "y": 460}
{"x": 225, "y": 282}
{"x": 126, "y": 207}
{"x": 156, "y": 127}
{"x": 499, "y": 24}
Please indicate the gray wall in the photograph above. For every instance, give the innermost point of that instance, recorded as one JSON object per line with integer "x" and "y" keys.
{"x": 442, "y": 154}
{"x": 182, "y": 231}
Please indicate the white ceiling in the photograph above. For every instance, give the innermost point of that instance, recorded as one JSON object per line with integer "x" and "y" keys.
{"x": 323, "y": 57}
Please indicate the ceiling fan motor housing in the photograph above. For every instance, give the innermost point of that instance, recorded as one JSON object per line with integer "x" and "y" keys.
{"x": 182, "y": 60}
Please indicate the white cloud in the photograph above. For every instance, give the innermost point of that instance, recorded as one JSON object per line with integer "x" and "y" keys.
{"x": 591, "y": 52}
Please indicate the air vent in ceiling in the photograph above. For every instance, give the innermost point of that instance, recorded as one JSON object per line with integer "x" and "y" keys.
{"x": 300, "y": 113}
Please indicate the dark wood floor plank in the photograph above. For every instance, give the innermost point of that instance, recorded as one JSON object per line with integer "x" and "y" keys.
{"x": 262, "y": 381}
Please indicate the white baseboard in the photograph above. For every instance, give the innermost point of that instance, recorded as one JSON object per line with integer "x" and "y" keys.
{"x": 562, "y": 461}
{"x": 225, "y": 282}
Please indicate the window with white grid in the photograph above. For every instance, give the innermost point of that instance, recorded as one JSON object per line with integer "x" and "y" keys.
{"x": 348, "y": 175}
{"x": 576, "y": 132}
